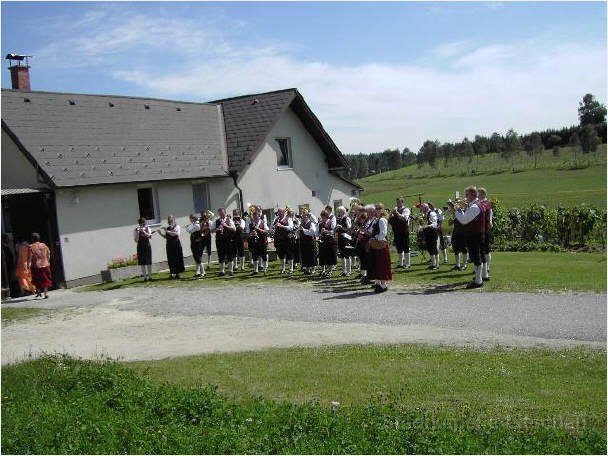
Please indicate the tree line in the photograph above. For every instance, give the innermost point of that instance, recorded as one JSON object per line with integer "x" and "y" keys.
{"x": 586, "y": 136}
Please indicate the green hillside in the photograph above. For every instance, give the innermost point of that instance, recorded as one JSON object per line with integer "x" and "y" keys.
{"x": 555, "y": 181}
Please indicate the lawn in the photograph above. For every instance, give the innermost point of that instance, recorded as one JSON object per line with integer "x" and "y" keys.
{"x": 553, "y": 184}
{"x": 511, "y": 271}
{"x": 11, "y": 314}
{"x": 387, "y": 400}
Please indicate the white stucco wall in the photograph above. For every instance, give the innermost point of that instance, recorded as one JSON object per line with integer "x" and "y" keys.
{"x": 263, "y": 183}
{"x": 98, "y": 224}
{"x": 17, "y": 171}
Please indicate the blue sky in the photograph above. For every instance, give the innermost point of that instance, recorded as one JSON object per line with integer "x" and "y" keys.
{"x": 377, "y": 74}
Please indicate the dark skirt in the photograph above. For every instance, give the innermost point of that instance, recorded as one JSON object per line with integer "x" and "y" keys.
{"x": 345, "y": 247}
{"x": 41, "y": 277}
{"x": 308, "y": 255}
{"x": 144, "y": 252}
{"x": 328, "y": 253}
{"x": 284, "y": 248}
{"x": 197, "y": 250}
{"x": 362, "y": 253}
{"x": 175, "y": 255}
{"x": 382, "y": 264}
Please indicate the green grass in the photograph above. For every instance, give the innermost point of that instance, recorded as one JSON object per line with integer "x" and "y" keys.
{"x": 511, "y": 271}
{"x": 12, "y": 314}
{"x": 554, "y": 184}
{"x": 393, "y": 399}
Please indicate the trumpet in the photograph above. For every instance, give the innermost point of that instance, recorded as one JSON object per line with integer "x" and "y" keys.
{"x": 458, "y": 203}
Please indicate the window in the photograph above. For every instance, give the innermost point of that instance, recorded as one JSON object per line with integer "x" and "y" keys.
{"x": 337, "y": 204}
{"x": 284, "y": 158}
{"x": 146, "y": 198}
{"x": 200, "y": 195}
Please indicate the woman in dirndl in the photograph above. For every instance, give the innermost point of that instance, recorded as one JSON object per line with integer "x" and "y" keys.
{"x": 382, "y": 258}
{"x": 39, "y": 257}
{"x": 175, "y": 254}
{"x": 22, "y": 269}
{"x": 142, "y": 235}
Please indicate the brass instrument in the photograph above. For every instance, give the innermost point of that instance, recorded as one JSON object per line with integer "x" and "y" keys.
{"x": 458, "y": 203}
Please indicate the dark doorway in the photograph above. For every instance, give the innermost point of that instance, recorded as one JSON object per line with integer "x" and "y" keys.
{"x": 27, "y": 213}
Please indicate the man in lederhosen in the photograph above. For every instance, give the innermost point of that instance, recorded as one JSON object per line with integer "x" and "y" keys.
{"x": 283, "y": 226}
{"x": 473, "y": 218}
{"x": 257, "y": 231}
{"x": 399, "y": 221}
{"x": 430, "y": 234}
{"x": 308, "y": 254}
{"x": 486, "y": 255}
{"x": 196, "y": 245}
{"x": 239, "y": 241}
{"x": 224, "y": 232}
{"x": 343, "y": 232}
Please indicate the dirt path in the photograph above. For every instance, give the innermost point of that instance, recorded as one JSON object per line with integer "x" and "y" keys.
{"x": 156, "y": 323}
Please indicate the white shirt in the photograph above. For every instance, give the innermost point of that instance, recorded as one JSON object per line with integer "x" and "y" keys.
{"x": 279, "y": 223}
{"x": 261, "y": 225}
{"x": 311, "y": 231}
{"x": 313, "y": 219}
{"x": 348, "y": 222}
{"x": 193, "y": 227}
{"x": 468, "y": 215}
{"x": 173, "y": 231}
{"x": 432, "y": 218}
{"x": 405, "y": 214}
{"x": 383, "y": 225}
{"x": 229, "y": 225}
{"x": 145, "y": 230}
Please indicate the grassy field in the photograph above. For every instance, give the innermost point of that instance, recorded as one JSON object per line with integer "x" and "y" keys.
{"x": 11, "y": 314}
{"x": 553, "y": 183}
{"x": 511, "y": 271}
{"x": 393, "y": 399}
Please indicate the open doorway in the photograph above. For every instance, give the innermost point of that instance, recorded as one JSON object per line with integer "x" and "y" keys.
{"x": 27, "y": 213}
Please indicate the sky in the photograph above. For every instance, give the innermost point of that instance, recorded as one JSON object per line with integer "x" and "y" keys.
{"x": 378, "y": 75}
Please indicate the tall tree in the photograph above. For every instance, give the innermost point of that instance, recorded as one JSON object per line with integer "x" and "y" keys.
{"x": 534, "y": 146}
{"x": 591, "y": 111}
{"x": 496, "y": 143}
{"x": 574, "y": 142}
{"x": 512, "y": 145}
{"x": 589, "y": 140}
{"x": 363, "y": 166}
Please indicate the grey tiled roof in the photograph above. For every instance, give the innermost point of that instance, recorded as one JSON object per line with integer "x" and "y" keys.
{"x": 96, "y": 139}
{"x": 248, "y": 119}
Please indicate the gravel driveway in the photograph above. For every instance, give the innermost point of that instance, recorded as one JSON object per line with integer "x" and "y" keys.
{"x": 161, "y": 322}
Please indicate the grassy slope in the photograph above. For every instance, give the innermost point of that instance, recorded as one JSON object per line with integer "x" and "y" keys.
{"x": 424, "y": 400}
{"x": 553, "y": 184}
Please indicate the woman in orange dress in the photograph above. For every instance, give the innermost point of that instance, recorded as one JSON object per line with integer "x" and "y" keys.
{"x": 22, "y": 271}
{"x": 39, "y": 260}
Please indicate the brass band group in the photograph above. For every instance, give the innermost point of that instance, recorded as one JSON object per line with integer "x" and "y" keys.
{"x": 358, "y": 237}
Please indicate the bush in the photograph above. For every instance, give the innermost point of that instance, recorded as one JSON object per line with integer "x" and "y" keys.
{"x": 122, "y": 262}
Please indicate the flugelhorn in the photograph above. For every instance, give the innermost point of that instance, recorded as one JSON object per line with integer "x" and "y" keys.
{"x": 458, "y": 203}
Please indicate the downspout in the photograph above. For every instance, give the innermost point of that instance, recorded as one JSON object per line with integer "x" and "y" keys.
{"x": 235, "y": 176}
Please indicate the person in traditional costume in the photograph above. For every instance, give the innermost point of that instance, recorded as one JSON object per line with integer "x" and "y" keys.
{"x": 382, "y": 257}
{"x": 239, "y": 240}
{"x": 196, "y": 245}
{"x": 474, "y": 220}
{"x": 141, "y": 236}
{"x": 328, "y": 246}
{"x": 486, "y": 255}
{"x": 430, "y": 234}
{"x": 224, "y": 230}
{"x": 39, "y": 257}
{"x": 343, "y": 232}
{"x": 399, "y": 221}
{"x": 23, "y": 271}
{"x": 308, "y": 232}
{"x": 175, "y": 254}
{"x": 257, "y": 241}
{"x": 283, "y": 227}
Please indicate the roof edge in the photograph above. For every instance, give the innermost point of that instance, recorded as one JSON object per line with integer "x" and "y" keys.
{"x": 293, "y": 89}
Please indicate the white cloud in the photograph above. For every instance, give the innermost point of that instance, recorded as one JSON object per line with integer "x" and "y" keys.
{"x": 367, "y": 107}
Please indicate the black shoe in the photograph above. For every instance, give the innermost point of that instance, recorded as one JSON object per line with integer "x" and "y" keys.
{"x": 474, "y": 285}
{"x": 399, "y": 267}
{"x": 365, "y": 281}
{"x": 457, "y": 268}
{"x": 222, "y": 274}
{"x": 486, "y": 279}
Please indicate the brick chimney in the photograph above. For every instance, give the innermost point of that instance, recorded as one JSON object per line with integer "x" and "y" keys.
{"x": 20, "y": 73}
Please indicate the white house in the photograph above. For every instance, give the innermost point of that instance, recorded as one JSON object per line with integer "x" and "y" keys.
{"x": 80, "y": 169}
